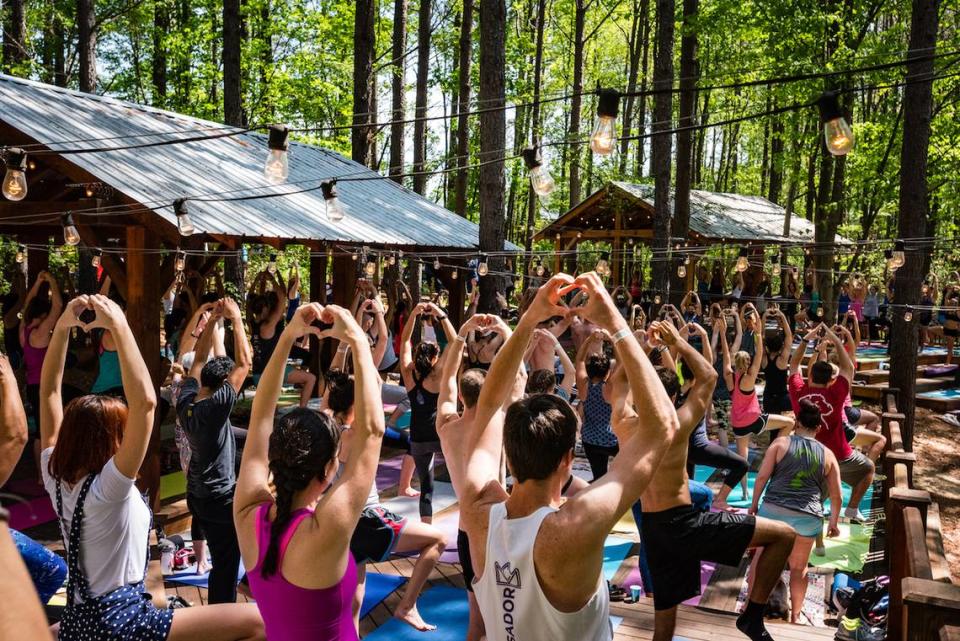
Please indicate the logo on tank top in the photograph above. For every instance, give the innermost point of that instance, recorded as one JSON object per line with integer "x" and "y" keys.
{"x": 507, "y": 575}
{"x": 508, "y": 578}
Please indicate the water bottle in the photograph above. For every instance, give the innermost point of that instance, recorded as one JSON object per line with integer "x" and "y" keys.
{"x": 167, "y": 550}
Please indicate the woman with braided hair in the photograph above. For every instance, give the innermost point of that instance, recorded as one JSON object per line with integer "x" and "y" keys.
{"x": 296, "y": 544}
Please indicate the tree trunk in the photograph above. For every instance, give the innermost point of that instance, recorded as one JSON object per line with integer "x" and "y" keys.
{"x": 776, "y": 161}
{"x": 161, "y": 27}
{"x": 644, "y": 66}
{"x": 914, "y": 212}
{"x": 87, "y": 44}
{"x": 636, "y": 34}
{"x": 493, "y": 18}
{"x": 423, "y": 78}
{"x": 15, "y": 36}
{"x": 232, "y": 101}
{"x": 680, "y": 225}
{"x": 662, "y": 144}
{"x": 580, "y": 14}
{"x": 364, "y": 49}
{"x": 532, "y": 199}
{"x": 463, "y": 124}
{"x": 397, "y": 86}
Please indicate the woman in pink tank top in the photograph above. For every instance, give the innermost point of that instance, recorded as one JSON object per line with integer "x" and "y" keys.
{"x": 740, "y": 376}
{"x": 296, "y": 545}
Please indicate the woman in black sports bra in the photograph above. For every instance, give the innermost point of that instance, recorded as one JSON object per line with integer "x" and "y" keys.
{"x": 421, "y": 372}
{"x": 481, "y": 348}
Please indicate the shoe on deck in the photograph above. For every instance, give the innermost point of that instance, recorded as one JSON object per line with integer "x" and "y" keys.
{"x": 854, "y": 516}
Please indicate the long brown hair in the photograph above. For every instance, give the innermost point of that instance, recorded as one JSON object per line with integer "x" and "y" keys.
{"x": 90, "y": 434}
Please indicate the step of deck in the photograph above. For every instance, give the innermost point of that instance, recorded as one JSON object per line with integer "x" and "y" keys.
{"x": 876, "y": 391}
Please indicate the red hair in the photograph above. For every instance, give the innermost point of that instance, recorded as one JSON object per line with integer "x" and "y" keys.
{"x": 90, "y": 434}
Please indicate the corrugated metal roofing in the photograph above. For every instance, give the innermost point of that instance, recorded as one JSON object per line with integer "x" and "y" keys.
{"x": 733, "y": 216}
{"x": 379, "y": 212}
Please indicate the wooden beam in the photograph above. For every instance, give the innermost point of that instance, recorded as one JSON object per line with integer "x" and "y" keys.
{"x": 143, "y": 315}
{"x": 321, "y": 354}
{"x": 617, "y": 244}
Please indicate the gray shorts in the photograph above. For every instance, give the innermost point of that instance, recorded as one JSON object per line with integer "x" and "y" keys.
{"x": 855, "y": 468}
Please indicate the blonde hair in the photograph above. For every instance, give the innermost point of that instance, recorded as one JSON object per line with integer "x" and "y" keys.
{"x": 741, "y": 361}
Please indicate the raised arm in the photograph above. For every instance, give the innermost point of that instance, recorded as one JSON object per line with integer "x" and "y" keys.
{"x": 783, "y": 359}
{"x": 13, "y": 421}
{"x": 448, "y": 329}
{"x": 738, "y": 337}
{"x": 406, "y": 345}
{"x": 204, "y": 346}
{"x": 447, "y": 403}
{"x": 704, "y": 375}
{"x": 569, "y": 371}
{"x": 383, "y": 334}
{"x": 51, "y": 376}
{"x": 242, "y": 351}
{"x": 846, "y": 364}
{"x": 727, "y": 363}
{"x": 586, "y": 348}
{"x": 137, "y": 386}
{"x": 188, "y": 340}
{"x": 801, "y": 351}
{"x": 757, "y": 353}
{"x": 56, "y": 301}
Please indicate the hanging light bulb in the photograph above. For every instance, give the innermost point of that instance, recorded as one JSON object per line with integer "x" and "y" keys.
{"x": 453, "y": 274}
{"x": 180, "y": 262}
{"x": 335, "y": 210}
{"x": 89, "y": 191}
{"x": 657, "y": 300}
{"x": 836, "y": 131}
{"x": 184, "y": 224}
{"x": 272, "y": 265}
{"x": 15, "y": 180}
{"x": 541, "y": 181}
{"x": 682, "y": 270}
{"x": 370, "y": 269}
{"x": 21, "y": 254}
{"x": 604, "y": 138}
{"x": 579, "y": 234}
{"x": 898, "y": 257}
{"x": 70, "y": 234}
{"x": 482, "y": 267}
{"x": 540, "y": 268}
{"x": 355, "y": 256}
{"x": 557, "y": 236}
{"x": 888, "y": 256}
{"x": 603, "y": 265}
{"x": 743, "y": 262}
{"x": 436, "y": 263}
{"x": 277, "y": 169}
{"x": 244, "y": 254}
{"x": 95, "y": 259}
{"x": 908, "y": 314}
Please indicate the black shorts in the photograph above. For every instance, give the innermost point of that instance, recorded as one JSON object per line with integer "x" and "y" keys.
{"x": 776, "y": 403}
{"x": 754, "y": 428}
{"x": 951, "y": 333}
{"x": 376, "y": 535}
{"x": 463, "y": 551}
{"x": 853, "y": 415}
{"x": 678, "y": 539}
{"x": 849, "y": 433}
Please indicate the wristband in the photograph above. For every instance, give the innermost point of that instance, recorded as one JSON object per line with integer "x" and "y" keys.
{"x": 622, "y": 334}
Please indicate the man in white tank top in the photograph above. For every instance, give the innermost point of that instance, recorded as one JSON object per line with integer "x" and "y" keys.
{"x": 539, "y": 563}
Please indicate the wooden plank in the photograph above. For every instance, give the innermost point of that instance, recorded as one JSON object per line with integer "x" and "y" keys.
{"x": 918, "y": 561}
{"x": 939, "y": 568}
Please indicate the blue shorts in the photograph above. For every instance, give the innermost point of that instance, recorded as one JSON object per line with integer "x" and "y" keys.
{"x": 805, "y": 524}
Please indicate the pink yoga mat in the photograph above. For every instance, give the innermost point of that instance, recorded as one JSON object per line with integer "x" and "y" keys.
{"x": 32, "y": 513}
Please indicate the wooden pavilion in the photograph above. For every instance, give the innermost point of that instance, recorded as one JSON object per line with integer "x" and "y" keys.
{"x": 621, "y": 213}
{"x": 122, "y": 200}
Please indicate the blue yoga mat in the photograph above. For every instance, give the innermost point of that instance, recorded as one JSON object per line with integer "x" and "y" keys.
{"x": 190, "y": 577}
{"x": 379, "y": 587}
{"x": 442, "y": 606}
{"x": 615, "y": 550}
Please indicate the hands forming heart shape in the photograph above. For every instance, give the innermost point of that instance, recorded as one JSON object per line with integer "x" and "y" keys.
{"x": 92, "y": 312}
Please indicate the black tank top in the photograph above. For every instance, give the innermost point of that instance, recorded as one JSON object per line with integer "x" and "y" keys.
{"x": 263, "y": 348}
{"x": 775, "y": 379}
{"x": 423, "y": 413}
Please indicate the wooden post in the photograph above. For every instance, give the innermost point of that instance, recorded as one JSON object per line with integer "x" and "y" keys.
{"x": 900, "y": 499}
{"x": 143, "y": 315}
{"x": 928, "y": 607}
{"x": 556, "y": 255}
{"x": 320, "y": 355}
{"x": 344, "y": 280}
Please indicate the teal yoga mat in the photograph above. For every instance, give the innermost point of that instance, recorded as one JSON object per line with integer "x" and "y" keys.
{"x": 615, "y": 550}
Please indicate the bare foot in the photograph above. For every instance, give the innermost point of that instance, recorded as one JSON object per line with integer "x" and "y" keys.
{"x": 409, "y": 492}
{"x": 723, "y": 506}
{"x": 203, "y": 568}
{"x": 412, "y": 617}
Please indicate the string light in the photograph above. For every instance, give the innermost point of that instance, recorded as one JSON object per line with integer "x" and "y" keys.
{"x": 603, "y": 265}
{"x": 15, "y": 180}
{"x": 657, "y": 300}
{"x": 682, "y": 270}
{"x": 482, "y": 267}
{"x": 70, "y": 234}
{"x": 453, "y": 273}
{"x": 541, "y": 181}
{"x": 541, "y": 270}
{"x": 836, "y": 130}
{"x": 184, "y": 224}
{"x": 604, "y": 138}
{"x": 743, "y": 262}
{"x": 21, "y": 254}
{"x": 908, "y": 314}
{"x": 898, "y": 257}
{"x": 95, "y": 259}
{"x": 277, "y": 168}
{"x": 370, "y": 269}
{"x": 89, "y": 191}
{"x": 335, "y": 210}
{"x": 180, "y": 262}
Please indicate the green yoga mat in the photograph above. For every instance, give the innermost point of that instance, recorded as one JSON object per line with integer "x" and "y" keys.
{"x": 171, "y": 485}
{"x": 847, "y": 552}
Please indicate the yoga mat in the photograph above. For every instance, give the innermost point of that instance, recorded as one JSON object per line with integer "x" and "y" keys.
{"x": 443, "y": 606}
{"x": 941, "y": 394}
{"x": 865, "y": 503}
{"x": 735, "y": 499}
{"x": 378, "y": 588}
{"x": 443, "y": 497}
{"x": 34, "y": 512}
{"x": 847, "y": 552}
{"x": 388, "y": 472}
{"x": 706, "y": 573}
{"x": 171, "y": 485}
{"x": 190, "y": 577}
{"x": 25, "y": 488}
{"x": 615, "y": 550}
{"x": 814, "y": 608}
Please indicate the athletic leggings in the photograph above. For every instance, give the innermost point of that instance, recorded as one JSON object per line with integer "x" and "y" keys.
{"x": 47, "y": 570}
{"x": 599, "y": 458}
{"x": 424, "y": 463}
{"x": 713, "y": 455}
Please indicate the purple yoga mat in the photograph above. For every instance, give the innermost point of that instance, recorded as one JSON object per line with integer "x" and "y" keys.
{"x": 388, "y": 472}
{"x": 706, "y": 571}
{"x": 25, "y": 488}
{"x": 32, "y": 513}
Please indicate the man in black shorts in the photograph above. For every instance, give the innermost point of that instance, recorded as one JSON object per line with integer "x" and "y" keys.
{"x": 678, "y": 537}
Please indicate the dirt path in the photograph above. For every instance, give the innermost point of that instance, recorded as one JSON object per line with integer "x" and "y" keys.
{"x": 938, "y": 471}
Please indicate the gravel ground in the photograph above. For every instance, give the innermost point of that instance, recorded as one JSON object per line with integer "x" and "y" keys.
{"x": 938, "y": 471}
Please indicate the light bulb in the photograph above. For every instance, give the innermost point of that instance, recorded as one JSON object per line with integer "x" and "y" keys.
{"x": 541, "y": 181}
{"x": 898, "y": 258}
{"x": 15, "y": 180}
{"x": 371, "y": 267}
{"x": 272, "y": 265}
{"x": 277, "y": 168}
{"x": 603, "y": 265}
{"x": 70, "y": 234}
{"x": 180, "y": 262}
{"x": 604, "y": 138}
{"x": 657, "y": 300}
{"x": 21, "y": 254}
{"x": 453, "y": 274}
{"x": 743, "y": 262}
{"x": 436, "y": 263}
{"x": 682, "y": 271}
{"x": 540, "y": 268}
{"x": 95, "y": 260}
{"x": 335, "y": 210}
{"x": 184, "y": 224}
{"x": 908, "y": 315}
{"x": 579, "y": 234}
{"x": 482, "y": 267}
{"x": 836, "y": 131}
{"x": 89, "y": 191}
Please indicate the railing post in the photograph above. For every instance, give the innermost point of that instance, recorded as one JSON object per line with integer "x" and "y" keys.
{"x": 899, "y": 499}
{"x": 928, "y": 606}
{"x": 890, "y": 460}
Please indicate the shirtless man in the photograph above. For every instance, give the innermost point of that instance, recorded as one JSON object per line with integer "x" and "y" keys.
{"x": 541, "y": 353}
{"x": 678, "y": 537}
{"x": 528, "y": 534}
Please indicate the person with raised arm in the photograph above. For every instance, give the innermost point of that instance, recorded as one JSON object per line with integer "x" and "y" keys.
{"x": 204, "y": 404}
{"x": 829, "y": 394}
{"x": 776, "y": 361}
{"x": 544, "y": 381}
{"x": 296, "y": 543}
{"x": 421, "y": 371}
{"x": 596, "y": 433}
{"x": 539, "y": 563}
{"x": 93, "y": 449}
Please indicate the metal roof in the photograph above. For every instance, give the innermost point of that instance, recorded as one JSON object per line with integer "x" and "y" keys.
{"x": 379, "y": 211}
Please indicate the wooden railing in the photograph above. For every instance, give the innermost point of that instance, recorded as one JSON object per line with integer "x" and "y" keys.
{"x": 924, "y": 602}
